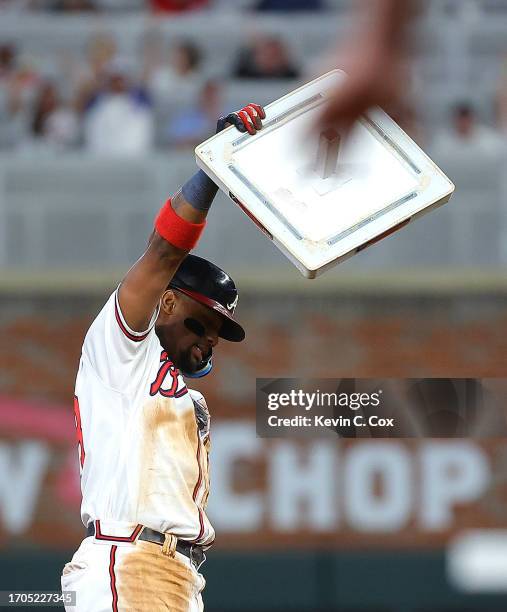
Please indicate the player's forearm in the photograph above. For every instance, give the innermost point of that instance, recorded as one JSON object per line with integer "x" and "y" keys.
{"x": 388, "y": 20}
{"x": 177, "y": 228}
{"x": 197, "y": 194}
{"x": 190, "y": 203}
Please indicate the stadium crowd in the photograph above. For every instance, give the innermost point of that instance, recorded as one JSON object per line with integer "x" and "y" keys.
{"x": 157, "y": 6}
{"x": 106, "y": 103}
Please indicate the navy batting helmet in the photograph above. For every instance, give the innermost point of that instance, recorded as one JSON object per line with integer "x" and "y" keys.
{"x": 210, "y": 285}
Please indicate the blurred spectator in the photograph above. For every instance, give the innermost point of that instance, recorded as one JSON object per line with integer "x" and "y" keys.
{"x": 7, "y": 62}
{"x": 53, "y": 123}
{"x": 179, "y": 76}
{"x": 87, "y": 76}
{"x": 73, "y": 6}
{"x": 152, "y": 51}
{"x": 178, "y": 6}
{"x": 13, "y": 73}
{"x": 17, "y": 6}
{"x": 119, "y": 118}
{"x": 18, "y": 84}
{"x": 501, "y": 100}
{"x": 266, "y": 58}
{"x": 468, "y": 136}
{"x": 101, "y": 50}
{"x": 194, "y": 125}
{"x": 290, "y": 5}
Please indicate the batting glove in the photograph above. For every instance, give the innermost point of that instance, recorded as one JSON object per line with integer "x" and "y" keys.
{"x": 248, "y": 119}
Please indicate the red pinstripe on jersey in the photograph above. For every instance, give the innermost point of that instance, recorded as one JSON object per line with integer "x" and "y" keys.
{"x": 112, "y": 578}
{"x": 79, "y": 432}
{"x": 118, "y": 317}
{"x": 197, "y": 487}
{"x": 131, "y": 538}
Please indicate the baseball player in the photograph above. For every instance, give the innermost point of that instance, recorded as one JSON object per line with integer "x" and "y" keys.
{"x": 143, "y": 435}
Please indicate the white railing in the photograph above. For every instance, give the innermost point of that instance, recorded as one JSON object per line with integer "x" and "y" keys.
{"x": 84, "y": 213}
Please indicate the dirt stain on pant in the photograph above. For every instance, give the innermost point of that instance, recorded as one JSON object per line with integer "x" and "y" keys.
{"x": 147, "y": 579}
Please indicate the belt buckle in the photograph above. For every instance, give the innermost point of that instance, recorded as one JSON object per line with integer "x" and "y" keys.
{"x": 197, "y": 564}
{"x": 169, "y": 545}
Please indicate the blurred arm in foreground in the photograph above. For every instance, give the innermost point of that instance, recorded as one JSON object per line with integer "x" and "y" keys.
{"x": 373, "y": 59}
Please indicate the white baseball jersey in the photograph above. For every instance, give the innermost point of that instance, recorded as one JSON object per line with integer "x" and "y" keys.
{"x": 143, "y": 435}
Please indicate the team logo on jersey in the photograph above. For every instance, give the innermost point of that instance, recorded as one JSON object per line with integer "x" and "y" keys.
{"x": 167, "y": 380}
{"x": 202, "y": 417}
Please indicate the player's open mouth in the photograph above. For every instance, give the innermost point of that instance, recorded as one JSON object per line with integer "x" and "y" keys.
{"x": 197, "y": 352}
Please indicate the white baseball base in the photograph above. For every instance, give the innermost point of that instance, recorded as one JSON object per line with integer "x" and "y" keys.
{"x": 319, "y": 199}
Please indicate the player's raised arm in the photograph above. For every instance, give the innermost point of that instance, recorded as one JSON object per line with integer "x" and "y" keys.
{"x": 178, "y": 227}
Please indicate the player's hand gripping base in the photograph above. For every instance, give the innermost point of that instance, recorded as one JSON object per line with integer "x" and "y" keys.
{"x": 247, "y": 119}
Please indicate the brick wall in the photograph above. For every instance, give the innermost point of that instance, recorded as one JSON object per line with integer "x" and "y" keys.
{"x": 289, "y": 335}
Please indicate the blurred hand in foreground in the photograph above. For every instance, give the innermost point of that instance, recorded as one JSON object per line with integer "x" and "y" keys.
{"x": 374, "y": 62}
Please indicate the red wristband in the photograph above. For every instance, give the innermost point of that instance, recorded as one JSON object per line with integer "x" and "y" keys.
{"x": 180, "y": 233}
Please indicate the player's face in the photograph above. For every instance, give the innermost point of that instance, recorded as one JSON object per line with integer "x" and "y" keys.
{"x": 189, "y": 333}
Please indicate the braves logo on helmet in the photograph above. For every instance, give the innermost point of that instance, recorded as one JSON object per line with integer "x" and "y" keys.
{"x": 232, "y": 306}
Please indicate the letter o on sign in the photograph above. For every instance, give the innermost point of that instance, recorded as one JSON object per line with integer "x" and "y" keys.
{"x": 369, "y": 507}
